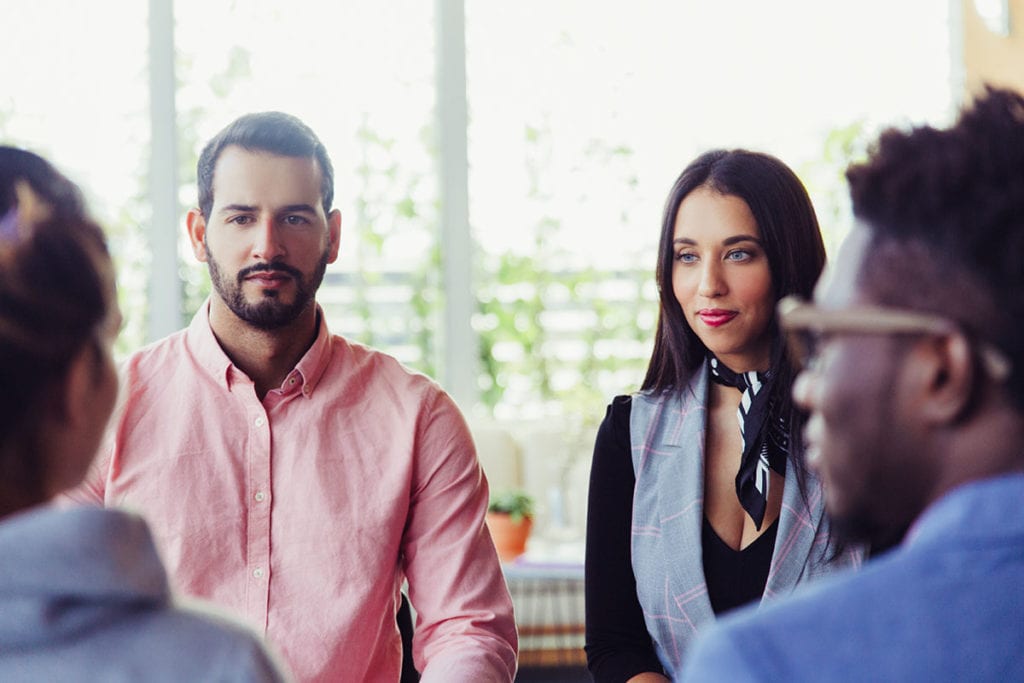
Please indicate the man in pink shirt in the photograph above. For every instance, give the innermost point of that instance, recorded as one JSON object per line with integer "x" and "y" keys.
{"x": 292, "y": 476}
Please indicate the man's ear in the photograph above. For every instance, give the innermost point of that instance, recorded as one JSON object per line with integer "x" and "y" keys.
{"x": 334, "y": 234}
{"x": 943, "y": 370}
{"x": 197, "y": 233}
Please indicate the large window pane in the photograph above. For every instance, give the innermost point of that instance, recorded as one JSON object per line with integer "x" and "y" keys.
{"x": 79, "y": 97}
{"x": 582, "y": 115}
{"x": 362, "y": 76}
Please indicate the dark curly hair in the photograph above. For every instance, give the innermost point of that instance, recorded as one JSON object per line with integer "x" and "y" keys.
{"x": 945, "y": 208}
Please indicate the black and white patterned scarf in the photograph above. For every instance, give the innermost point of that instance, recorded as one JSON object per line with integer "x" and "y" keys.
{"x": 764, "y": 424}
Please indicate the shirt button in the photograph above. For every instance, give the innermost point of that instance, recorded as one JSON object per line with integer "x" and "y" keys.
{"x": 291, "y": 381}
{"x": 258, "y": 572}
{"x": 260, "y": 496}
{"x": 260, "y": 421}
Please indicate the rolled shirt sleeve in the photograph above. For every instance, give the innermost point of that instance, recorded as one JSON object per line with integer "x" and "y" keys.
{"x": 465, "y": 628}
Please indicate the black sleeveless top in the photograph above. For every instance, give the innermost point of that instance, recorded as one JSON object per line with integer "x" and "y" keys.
{"x": 736, "y": 577}
{"x": 618, "y": 644}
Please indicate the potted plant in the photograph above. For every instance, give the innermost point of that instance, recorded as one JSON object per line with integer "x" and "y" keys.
{"x": 510, "y": 519}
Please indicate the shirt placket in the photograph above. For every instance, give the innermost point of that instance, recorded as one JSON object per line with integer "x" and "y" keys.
{"x": 258, "y": 506}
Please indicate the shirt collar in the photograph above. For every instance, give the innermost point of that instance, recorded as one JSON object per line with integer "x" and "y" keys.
{"x": 977, "y": 508}
{"x": 314, "y": 362}
{"x": 208, "y": 353}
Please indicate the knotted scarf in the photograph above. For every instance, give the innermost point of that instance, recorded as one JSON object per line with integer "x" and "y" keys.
{"x": 764, "y": 424}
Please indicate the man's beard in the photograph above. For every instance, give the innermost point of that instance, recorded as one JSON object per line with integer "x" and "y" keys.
{"x": 270, "y": 313}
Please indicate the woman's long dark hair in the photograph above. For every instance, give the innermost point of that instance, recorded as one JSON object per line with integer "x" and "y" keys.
{"x": 796, "y": 256}
{"x": 789, "y": 233}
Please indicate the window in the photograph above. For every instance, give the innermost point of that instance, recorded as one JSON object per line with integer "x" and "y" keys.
{"x": 579, "y": 118}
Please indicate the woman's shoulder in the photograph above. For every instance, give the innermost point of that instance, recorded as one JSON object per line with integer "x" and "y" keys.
{"x": 620, "y": 403}
{"x": 694, "y": 389}
{"x": 616, "y": 418}
{"x": 619, "y": 409}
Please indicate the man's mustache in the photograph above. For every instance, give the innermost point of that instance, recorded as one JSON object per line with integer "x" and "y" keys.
{"x": 269, "y": 268}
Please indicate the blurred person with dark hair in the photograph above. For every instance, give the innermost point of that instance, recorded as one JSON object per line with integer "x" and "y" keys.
{"x": 699, "y": 499}
{"x": 914, "y": 379}
{"x": 83, "y": 595}
{"x": 289, "y": 474}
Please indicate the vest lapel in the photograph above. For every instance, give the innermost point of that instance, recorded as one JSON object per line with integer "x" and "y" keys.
{"x": 685, "y": 437}
{"x": 799, "y": 522}
{"x": 667, "y": 434}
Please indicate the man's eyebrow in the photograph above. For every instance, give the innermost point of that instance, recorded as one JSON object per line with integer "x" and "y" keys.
{"x": 292, "y": 208}
{"x": 248, "y": 208}
{"x": 237, "y": 207}
{"x": 728, "y": 241}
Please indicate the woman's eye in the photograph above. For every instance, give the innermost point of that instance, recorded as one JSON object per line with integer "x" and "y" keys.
{"x": 686, "y": 257}
{"x": 739, "y": 255}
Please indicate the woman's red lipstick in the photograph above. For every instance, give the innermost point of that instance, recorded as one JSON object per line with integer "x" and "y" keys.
{"x": 715, "y": 317}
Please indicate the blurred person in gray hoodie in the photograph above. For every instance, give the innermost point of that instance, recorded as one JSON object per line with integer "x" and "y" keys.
{"x": 83, "y": 594}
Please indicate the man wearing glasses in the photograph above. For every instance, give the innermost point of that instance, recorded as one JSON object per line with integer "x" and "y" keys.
{"x": 913, "y": 357}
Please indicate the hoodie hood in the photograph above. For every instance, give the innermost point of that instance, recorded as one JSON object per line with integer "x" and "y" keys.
{"x": 65, "y": 571}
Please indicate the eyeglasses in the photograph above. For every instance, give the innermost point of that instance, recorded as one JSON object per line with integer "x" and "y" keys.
{"x": 806, "y": 325}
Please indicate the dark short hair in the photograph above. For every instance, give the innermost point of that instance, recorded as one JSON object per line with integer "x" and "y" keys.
{"x": 52, "y": 300}
{"x": 270, "y": 131}
{"x": 950, "y": 204}
{"x": 789, "y": 231}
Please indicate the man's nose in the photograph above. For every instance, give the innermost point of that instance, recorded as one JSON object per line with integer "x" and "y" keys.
{"x": 267, "y": 244}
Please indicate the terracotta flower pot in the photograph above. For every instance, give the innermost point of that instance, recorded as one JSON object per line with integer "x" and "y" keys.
{"x": 509, "y": 536}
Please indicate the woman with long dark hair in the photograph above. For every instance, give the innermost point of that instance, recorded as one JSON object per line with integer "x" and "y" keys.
{"x": 83, "y": 595}
{"x": 699, "y": 499}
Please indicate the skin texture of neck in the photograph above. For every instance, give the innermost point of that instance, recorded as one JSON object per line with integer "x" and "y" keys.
{"x": 982, "y": 444}
{"x": 265, "y": 356}
{"x": 989, "y": 445}
{"x": 13, "y": 500}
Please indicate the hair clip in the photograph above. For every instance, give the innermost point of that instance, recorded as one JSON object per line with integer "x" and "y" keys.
{"x": 29, "y": 210}
{"x": 32, "y": 208}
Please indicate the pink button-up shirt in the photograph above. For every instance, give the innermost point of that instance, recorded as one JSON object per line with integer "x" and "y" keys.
{"x": 304, "y": 512}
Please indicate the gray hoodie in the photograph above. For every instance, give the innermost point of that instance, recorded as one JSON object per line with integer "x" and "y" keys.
{"x": 84, "y": 597}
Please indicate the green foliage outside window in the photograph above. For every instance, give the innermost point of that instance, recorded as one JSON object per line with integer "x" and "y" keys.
{"x": 519, "y": 295}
